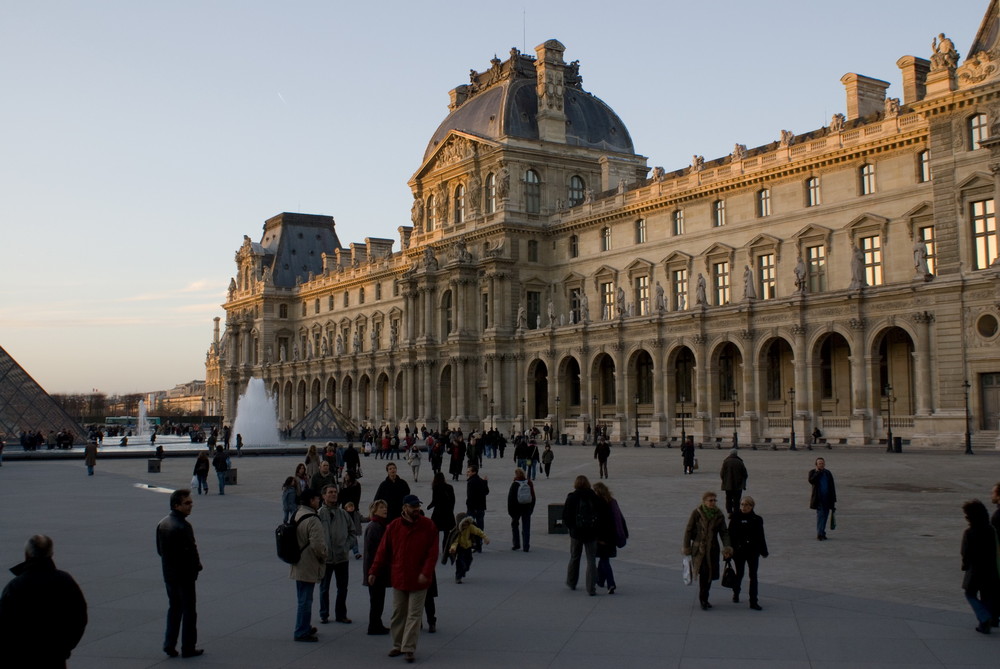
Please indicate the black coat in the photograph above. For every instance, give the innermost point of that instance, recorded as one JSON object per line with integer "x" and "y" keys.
{"x": 177, "y": 549}
{"x": 979, "y": 560}
{"x": 570, "y": 512}
{"x": 476, "y": 491}
{"x": 514, "y": 508}
{"x": 442, "y": 507}
{"x": 814, "y": 499}
{"x": 42, "y": 616}
{"x": 393, "y": 493}
{"x": 746, "y": 534}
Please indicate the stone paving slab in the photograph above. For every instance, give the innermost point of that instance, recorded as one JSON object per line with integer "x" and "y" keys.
{"x": 884, "y": 591}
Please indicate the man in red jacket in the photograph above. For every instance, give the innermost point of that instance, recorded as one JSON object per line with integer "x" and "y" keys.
{"x": 409, "y": 552}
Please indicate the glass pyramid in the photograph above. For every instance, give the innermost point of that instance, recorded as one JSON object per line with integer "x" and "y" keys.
{"x": 24, "y": 406}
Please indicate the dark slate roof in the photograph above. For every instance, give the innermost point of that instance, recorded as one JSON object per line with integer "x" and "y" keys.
{"x": 509, "y": 108}
{"x": 296, "y": 244}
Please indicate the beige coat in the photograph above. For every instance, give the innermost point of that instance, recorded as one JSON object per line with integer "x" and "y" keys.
{"x": 700, "y": 540}
{"x": 312, "y": 565}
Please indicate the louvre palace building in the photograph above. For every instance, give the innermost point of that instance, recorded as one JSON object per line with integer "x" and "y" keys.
{"x": 844, "y": 279}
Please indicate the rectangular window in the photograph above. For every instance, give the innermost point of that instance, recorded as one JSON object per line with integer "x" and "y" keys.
{"x": 765, "y": 277}
{"x": 607, "y": 301}
{"x": 720, "y": 282}
{"x": 316, "y": 306}
{"x": 871, "y": 247}
{"x": 347, "y": 299}
{"x": 764, "y": 202}
{"x": 927, "y": 235}
{"x": 867, "y": 175}
{"x": 978, "y": 131}
{"x": 984, "y": 233}
{"x": 718, "y": 213}
{"x": 817, "y": 268}
{"x": 679, "y": 288}
{"x": 329, "y": 303}
{"x": 378, "y": 336}
{"x": 532, "y": 250}
{"x": 395, "y": 289}
{"x": 534, "y": 300}
{"x": 924, "y": 166}
{"x": 361, "y": 338}
{"x": 378, "y": 292}
{"x": 574, "y": 246}
{"x": 361, "y": 295}
{"x": 575, "y": 300}
{"x": 282, "y": 311}
{"x": 486, "y": 310}
{"x": 304, "y": 308}
{"x": 642, "y": 296}
{"x": 606, "y": 238}
{"x": 678, "y": 221}
{"x": 812, "y": 192}
{"x": 640, "y": 231}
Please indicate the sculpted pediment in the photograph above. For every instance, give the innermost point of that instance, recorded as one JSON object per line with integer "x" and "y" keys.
{"x": 456, "y": 147}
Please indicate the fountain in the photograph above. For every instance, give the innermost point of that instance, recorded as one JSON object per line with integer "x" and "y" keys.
{"x": 141, "y": 427}
{"x": 256, "y": 416}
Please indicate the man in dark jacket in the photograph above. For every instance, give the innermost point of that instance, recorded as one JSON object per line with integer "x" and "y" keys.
{"x": 476, "y": 490}
{"x": 995, "y": 498}
{"x": 824, "y": 496}
{"x": 181, "y": 564}
{"x": 221, "y": 464}
{"x": 393, "y": 489}
{"x": 734, "y": 480}
{"x": 580, "y": 515}
{"x": 42, "y": 611}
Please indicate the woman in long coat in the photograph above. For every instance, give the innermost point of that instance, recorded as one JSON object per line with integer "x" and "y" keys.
{"x": 705, "y": 527}
{"x": 979, "y": 562}
{"x": 442, "y": 507}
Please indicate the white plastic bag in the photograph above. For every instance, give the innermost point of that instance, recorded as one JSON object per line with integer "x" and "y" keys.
{"x": 686, "y": 570}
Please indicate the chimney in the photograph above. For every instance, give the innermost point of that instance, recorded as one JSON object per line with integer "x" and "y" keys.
{"x": 215, "y": 335}
{"x": 865, "y": 96}
{"x": 550, "y": 72}
{"x": 914, "y": 78}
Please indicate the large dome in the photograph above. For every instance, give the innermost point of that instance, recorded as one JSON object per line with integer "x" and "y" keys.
{"x": 503, "y": 102}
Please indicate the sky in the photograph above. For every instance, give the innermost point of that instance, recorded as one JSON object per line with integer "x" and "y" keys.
{"x": 140, "y": 141}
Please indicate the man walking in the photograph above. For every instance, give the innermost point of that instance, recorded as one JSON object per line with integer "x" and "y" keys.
{"x": 337, "y": 527}
{"x": 601, "y": 453}
{"x": 221, "y": 464}
{"x": 476, "y": 490}
{"x": 393, "y": 489}
{"x": 181, "y": 564}
{"x": 324, "y": 477}
{"x": 824, "y": 496}
{"x": 309, "y": 570}
{"x": 42, "y": 611}
{"x": 580, "y": 517}
{"x": 409, "y": 551}
{"x": 734, "y": 480}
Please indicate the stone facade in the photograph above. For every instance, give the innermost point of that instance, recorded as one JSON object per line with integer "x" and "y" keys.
{"x": 844, "y": 279}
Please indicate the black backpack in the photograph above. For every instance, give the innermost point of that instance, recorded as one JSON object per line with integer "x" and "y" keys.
{"x": 586, "y": 516}
{"x": 287, "y": 540}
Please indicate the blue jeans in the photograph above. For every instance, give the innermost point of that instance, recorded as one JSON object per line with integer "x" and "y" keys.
{"x": 532, "y": 469}
{"x": 90, "y": 470}
{"x": 524, "y": 541}
{"x": 979, "y": 606}
{"x": 222, "y": 483}
{"x": 822, "y": 513}
{"x": 303, "y": 614}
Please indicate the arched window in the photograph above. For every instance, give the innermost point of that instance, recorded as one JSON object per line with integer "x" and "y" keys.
{"x": 460, "y": 204}
{"x": 577, "y": 190}
{"x": 491, "y": 193}
{"x": 430, "y": 215}
{"x": 532, "y": 192}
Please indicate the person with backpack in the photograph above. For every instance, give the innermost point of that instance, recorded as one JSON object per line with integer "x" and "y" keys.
{"x": 580, "y": 514}
{"x": 311, "y": 565}
{"x": 520, "y": 505}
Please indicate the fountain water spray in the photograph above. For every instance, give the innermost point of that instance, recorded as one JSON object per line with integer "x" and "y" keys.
{"x": 256, "y": 416}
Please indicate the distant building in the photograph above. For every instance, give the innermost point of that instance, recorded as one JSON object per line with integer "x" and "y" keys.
{"x": 830, "y": 279}
{"x": 186, "y": 399}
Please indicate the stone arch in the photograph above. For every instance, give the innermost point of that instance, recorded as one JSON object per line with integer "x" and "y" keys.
{"x": 605, "y": 387}
{"x": 382, "y": 400}
{"x": 892, "y": 372}
{"x": 775, "y": 375}
{"x": 315, "y": 394}
{"x": 365, "y": 409}
{"x": 346, "y": 397}
{"x": 331, "y": 391}
{"x": 831, "y": 386}
{"x": 571, "y": 385}
{"x": 300, "y": 401}
{"x": 724, "y": 376}
{"x": 538, "y": 389}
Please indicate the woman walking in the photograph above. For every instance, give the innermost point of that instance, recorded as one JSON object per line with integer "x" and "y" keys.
{"x": 413, "y": 458}
{"x": 612, "y": 532}
{"x": 746, "y": 531}
{"x": 442, "y": 507}
{"x": 201, "y": 467}
{"x": 705, "y": 527}
{"x": 520, "y": 505}
{"x": 979, "y": 562}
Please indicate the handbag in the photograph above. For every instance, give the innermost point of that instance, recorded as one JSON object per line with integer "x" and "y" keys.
{"x": 833, "y": 519}
{"x": 686, "y": 574}
{"x": 729, "y": 575}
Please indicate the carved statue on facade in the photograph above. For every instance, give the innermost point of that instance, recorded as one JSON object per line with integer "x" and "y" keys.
{"x": 659, "y": 174}
{"x": 268, "y": 354}
{"x": 739, "y": 152}
{"x": 340, "y": 344}
{"x": 700, "y": 298}
{"x": 621, "y": 186}
{"x": 697, "y": 163}
{"x": 373, "y": 339}
{"x": 417, "y": 214}
{"x": 232, "y": 288}
{"x": 749, "y": 290}
{"x": 282, "y": 353}
{"x": 461, "y": 252}
{"x": 661, "y": 301}
{"x": 837, "y": 123}
{"x": 891, "y": 107}
{"x": 475, "y": 196}
{"x": 588, "y": 196}
{"x": 324, "y": 347}
{"x": 356, "y": 342}
{"x": 920, "y": 259}
{"x": 943, "y": 53}
{"x": 522, "y": 318}
{"x": 787, "y": 138}
{"x": 503, "y": 182}
{"x": 620, "y": 302}
{"x": 551, "y": 314}
{"x": 584, "y": 308}
{"x": 680, "y": 302}
{"x": 295, "y": 352}
{"x": 857, "y": 268}
{"x": 801, "y": 285}
{"x": 309, "y": 349}
{"x": 441, "y": 201}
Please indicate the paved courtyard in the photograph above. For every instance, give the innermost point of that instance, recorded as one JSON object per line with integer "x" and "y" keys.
{"x": 884, "y": 591}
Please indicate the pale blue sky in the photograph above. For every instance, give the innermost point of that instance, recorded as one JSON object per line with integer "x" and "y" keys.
{"x": 140, "y": 141}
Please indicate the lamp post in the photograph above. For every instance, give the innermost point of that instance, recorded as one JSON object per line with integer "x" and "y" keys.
{"x": 524, "y": 405}
{"x": 888, "y": 422}
{"x": 594, "y": 418}
{"x": 683, "y": 432}
{"x": 636, "y": 421}
{"x": 968, "y": 432}
{"x": 492, "y": 415}
{"x": 791, "y": 416}
{"x": 557, "y": 420}
{"x": 736, "y": 424}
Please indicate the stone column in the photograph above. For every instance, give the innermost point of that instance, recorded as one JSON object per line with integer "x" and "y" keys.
{"x": 922, "y": 362}
{"x": 658, "y": 425}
